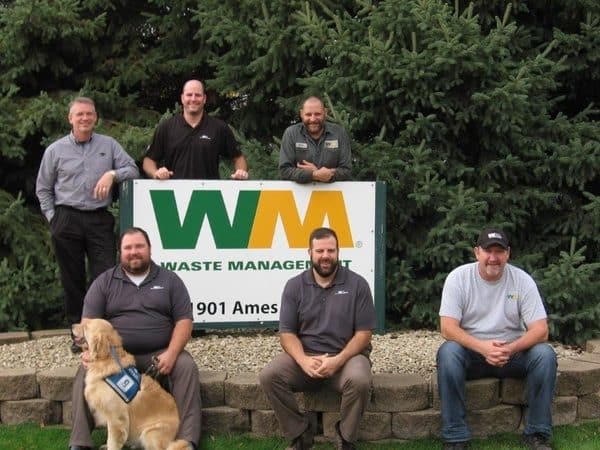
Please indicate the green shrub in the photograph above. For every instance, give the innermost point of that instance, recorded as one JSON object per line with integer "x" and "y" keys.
{"x": 570, "y": 287}
{"x": 30, "y": 294}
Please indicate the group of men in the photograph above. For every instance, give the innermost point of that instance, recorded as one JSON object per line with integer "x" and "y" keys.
{"x": 79, "y": 174}
{"x": 491, "y": 314}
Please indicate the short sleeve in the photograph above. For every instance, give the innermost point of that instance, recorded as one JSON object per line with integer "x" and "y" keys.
{"x": 452, "y": 297}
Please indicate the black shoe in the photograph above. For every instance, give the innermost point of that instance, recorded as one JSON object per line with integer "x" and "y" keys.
{"x": 456, "y": 445}
{"x": 340, "y": 442}
{"x": 305, "y": 441}
{"x": 78, "y": 447}
{"x": 536, "y": 441}
{"x": 76, "y": 349}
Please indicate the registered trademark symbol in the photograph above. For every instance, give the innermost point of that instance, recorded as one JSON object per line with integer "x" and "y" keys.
{"x": 358, "y": 244}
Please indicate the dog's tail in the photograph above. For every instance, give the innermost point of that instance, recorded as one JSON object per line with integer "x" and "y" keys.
{"x": 179, "y": 444}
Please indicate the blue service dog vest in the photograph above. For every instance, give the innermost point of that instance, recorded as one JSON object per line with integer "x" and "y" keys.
{"x": 125, "y": 383}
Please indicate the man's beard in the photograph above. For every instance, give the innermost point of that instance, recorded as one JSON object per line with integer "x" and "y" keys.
{"x": 140, "y": 267}
{"x": 315, "y": 127}
{"x": 325, "y": 272}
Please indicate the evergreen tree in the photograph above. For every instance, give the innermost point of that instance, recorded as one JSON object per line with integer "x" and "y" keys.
{"x": 472, "y": 113}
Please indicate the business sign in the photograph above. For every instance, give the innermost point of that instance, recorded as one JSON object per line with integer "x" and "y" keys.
{"x": 235, "y": 244}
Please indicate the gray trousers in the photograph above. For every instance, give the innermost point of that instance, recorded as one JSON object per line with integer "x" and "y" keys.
{"x": 283, "y": 376}
{"x": 185, "y": 384}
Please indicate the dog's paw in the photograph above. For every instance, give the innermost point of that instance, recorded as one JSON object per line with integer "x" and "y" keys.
{"x": 103, "y": 447}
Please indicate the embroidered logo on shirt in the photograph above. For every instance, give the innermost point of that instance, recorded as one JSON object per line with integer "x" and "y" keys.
{"x": 341, "y": 292}
{"x": 204, "y": 137}
{"x": 513, "y": 297}
{"x": 301, "y": 145}
{"x": 155, "y": 287}
{"x": 332, "y": 144}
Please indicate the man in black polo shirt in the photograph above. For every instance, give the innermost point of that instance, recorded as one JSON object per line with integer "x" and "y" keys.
{"x": 190, "y": 145}
{"x": 325, "y": 326}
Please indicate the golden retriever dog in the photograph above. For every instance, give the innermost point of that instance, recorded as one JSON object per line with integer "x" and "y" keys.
{"x": 150, "y": 420}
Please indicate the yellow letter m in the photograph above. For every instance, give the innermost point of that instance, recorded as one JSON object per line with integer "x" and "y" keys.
{"x": 281, "y": 204}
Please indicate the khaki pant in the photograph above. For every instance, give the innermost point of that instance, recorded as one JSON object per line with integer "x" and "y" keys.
{"x": 185, "y": 389}
{"x": 282, "y": 377}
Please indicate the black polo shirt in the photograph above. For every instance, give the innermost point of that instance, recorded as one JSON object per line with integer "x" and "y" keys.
{"x": 192, "y": 153}
{"x": 325, "y": 319}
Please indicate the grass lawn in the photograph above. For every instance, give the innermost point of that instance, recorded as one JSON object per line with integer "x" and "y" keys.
{"x": 33, "y": 437}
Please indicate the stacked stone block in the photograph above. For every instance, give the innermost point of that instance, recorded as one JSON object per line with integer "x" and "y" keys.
{"x": 402, "y": 406}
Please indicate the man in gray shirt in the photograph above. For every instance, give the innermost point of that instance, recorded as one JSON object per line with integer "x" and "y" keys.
{"x": 325, "y": 326}
{"x": 495, "y": 325}
{"x": 74, "y": 186}
{"x": 314, "y": 149}
{"x": 150, "y": 308}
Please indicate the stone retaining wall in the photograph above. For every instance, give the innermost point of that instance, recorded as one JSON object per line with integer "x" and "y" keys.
{"x": 402, "y": 406}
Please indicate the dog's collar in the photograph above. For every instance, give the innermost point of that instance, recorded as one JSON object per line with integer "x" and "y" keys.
{"x": 125, "y": 383}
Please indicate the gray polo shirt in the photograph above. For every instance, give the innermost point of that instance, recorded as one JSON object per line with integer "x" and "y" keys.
{"x": 144, "y": 316}
{"x": 332, "y": 150}
{"x": 70, "y": 170}
{"x": 325, "y": 319}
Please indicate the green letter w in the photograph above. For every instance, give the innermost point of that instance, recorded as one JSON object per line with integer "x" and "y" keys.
{"x": 176, "y": 234}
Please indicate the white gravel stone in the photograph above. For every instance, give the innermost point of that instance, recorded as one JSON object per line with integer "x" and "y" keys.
{"x": 236, "y": 351}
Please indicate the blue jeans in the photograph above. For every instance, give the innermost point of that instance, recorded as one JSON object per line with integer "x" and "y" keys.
{"x": 456, "y": 364}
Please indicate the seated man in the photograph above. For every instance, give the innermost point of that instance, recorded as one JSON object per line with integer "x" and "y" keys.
{"x": 150, "y": 308}
{"x": 325, "y": 325}
{"x": 495, "y": 325}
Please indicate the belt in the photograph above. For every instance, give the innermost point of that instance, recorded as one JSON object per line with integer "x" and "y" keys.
{"x": 103, "y": 209}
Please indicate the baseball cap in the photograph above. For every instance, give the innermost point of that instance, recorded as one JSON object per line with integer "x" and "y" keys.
{"x": 491, "y": 236}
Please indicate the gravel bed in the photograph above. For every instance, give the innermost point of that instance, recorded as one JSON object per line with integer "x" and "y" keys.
{"x": 237, "y": 351}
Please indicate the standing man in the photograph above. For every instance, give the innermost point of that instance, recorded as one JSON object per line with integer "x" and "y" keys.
{"x": 190, "y": 145}
{"x": 151, "y": 309}
{"x": 315, "y": 150}
{"x": 495, "y": 325}
{"x": 74, "y": 186}
{"x": 325, "y": 326}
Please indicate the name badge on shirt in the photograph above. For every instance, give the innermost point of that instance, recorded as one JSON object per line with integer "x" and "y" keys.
{"x": 332, "y": 144}
{"x": 301, "y": 145}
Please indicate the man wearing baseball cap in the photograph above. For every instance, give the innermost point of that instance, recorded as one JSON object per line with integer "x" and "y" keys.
{"x": 495, "y": 325}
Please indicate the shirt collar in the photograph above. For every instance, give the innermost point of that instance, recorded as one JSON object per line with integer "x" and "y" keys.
{"x": 76, "y": 142}
{"x": 326, "y": 131}
{"x": 340, "y": 276}
{"x": 120, "y": 275}
{"x": 186, "y": 123}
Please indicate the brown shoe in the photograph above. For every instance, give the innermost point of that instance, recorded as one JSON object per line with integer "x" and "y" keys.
{"x": 340, "y": 442}
{"x": 305, "y": 441}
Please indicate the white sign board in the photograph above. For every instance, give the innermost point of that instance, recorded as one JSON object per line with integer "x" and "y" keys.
{"x": 236, "y": 243}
